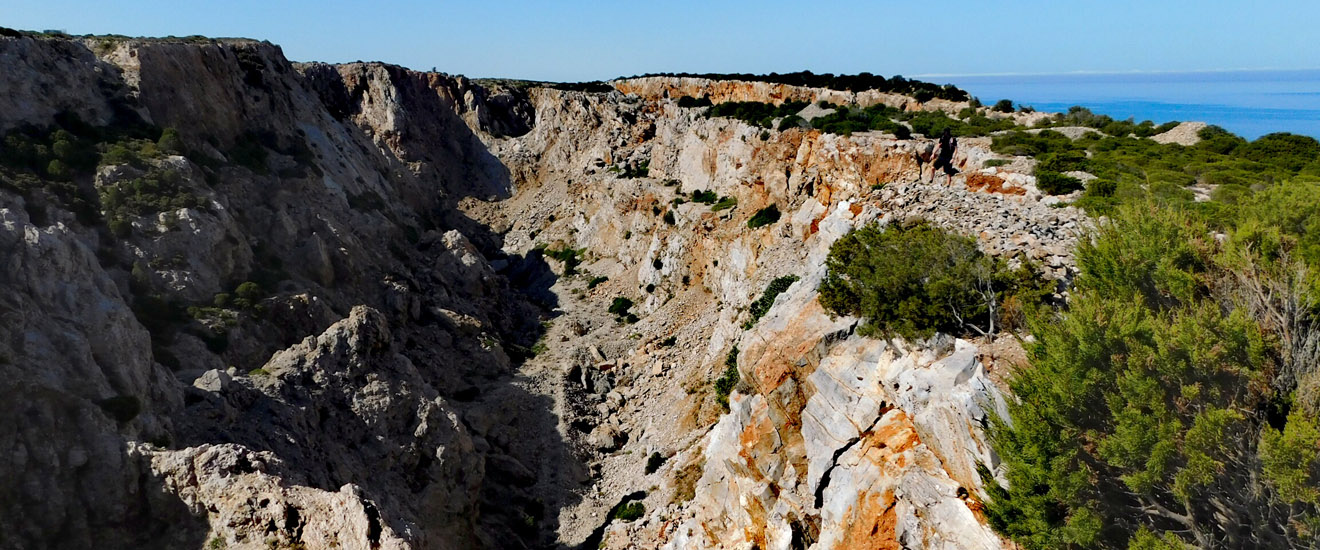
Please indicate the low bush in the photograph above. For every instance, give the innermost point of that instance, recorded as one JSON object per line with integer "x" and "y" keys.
{"x": 755, "y": 112}
{"x": 704, "y": 197}
{"x": 571, "y": 258}
{"x": 620, "y": 306}
{"x": 791, "y": 121}
{"x": 630, "y": 512}
{"x": 596, "y": 281}
{"x": 724, "y": 204}
{"x": 725, "y": 383}
{"x": 762, "y": 305}
{"x": 846, "y": 82}
{"x": 690, "y": 102}
{"x": 654, "y": 462}
{"x": 156, "y": 191}
{"x": 1054, "y": 183}
{"x": 639, "y": 169}
{"x": 248, "y": 294}
{"x": 1003, "y": 106}
{"x": 764, "y": 217}
{"x": 914, "y": 280}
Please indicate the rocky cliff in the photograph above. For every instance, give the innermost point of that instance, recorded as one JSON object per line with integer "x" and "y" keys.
{"x": 358, "y": 305}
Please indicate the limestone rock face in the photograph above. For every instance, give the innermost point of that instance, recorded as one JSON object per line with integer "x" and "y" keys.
{"x": 382, "y": 319}
{"x": 720, "y": 91}
{"x": 295, "y": 311}
{"x": 237, "y": 488}
{"x": 380, "y": 424}
{"x": 848, "y": 442}
{"x": 1185, "y": 134}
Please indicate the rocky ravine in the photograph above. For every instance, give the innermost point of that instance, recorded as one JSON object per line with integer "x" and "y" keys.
{"x": 380, "y": 392}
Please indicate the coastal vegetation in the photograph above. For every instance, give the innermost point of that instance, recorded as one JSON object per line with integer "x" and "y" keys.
{"x": 914, "y": 279}
{"x": 1174, "y": 401}
{"x": 922, "y": 91}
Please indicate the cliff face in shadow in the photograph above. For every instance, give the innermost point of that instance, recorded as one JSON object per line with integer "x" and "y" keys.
{"x": 241, "y": 305}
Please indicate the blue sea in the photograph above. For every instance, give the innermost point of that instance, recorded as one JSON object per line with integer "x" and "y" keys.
{"x": 1247, "y": 103}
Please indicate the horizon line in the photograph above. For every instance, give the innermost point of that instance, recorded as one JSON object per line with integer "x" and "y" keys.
{"x": 1108, "y": 72}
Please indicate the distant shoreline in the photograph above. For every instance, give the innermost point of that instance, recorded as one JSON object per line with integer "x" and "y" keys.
{"x": 936, "y": 76}
{"x": 1250, "y": 103}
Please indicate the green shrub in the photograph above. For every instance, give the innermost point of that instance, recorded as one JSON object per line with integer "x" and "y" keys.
{"x": 638, "y": 169}
{"x": 764, "y": 217}
{"x": 915, "y": 279}
{"x": 1054, "y": 183}
{"x": 654, "y": 462}
{"x": 122, "y": 408}
{"x": 724, "y": 204}
{"x": 258, "y": 372}
{"x": 1160, "y": 385}
{"x": 762, "y": 305}
{"x": 704, "y": 197}
{"x": 170, "y": 141}
{"x": 250, "y": 291}
{"x": 1003, "y": 106}
{"x": 690, "y": 102}
{"x": 1061, "y": 161}
{"x": 630, "y": 512}
{"x": 726, "y": 382}
{"x": 596, "y": 281}
{"x": 620, "y": 306}
{"x": 1101, "y": 188}
{"x": 791, "y": 121}
{"x": 156, "y": 191}
{"x": 571, "y": 258}
{"x": 756, "y": 113}
{"x": 991, "y": 163}
{"x": 669, "y": 217}
{"x": 1289, "y": 151}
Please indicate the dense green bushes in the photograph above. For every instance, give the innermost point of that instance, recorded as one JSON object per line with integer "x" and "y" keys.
{"x": 630, "y": 512}
{"x": 764, "y": 217}
{"x": 1081, "y": 116}
{"x": 762, "y": 305}
{"x": 654, "y": 462}
{"x": 726, "y": 382}
{"x": 570, "y": 257}
{"x": 1134, "y": 167}
{"x": 1162, "y": 409}
{"x": 156, "y": 191}
{"x": 691, "y": 102}
{"x": 755, "y": 112}
{"x": 916, "y": 279}
{"x": 922, "y": 91}
{"x": 1054, "y": 183}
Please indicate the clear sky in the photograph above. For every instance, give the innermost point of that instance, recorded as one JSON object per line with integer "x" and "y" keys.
{"x": 586, "y": 40}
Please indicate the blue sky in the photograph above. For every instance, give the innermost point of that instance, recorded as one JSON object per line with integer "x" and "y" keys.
{"x": 585, "y": 40}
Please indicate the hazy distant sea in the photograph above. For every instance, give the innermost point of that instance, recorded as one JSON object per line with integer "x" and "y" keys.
{"x": 1247, "y": 103}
